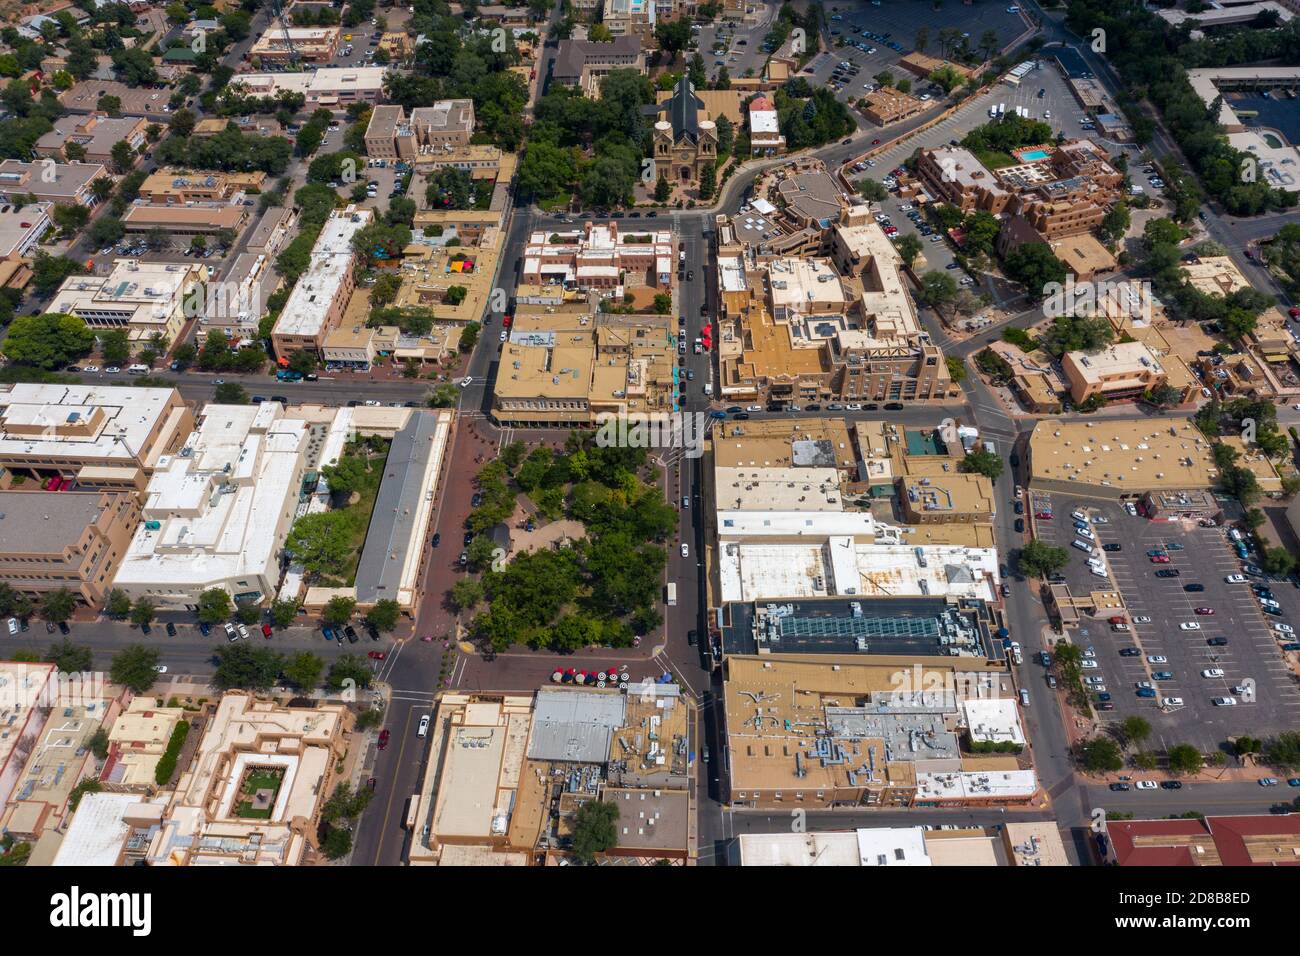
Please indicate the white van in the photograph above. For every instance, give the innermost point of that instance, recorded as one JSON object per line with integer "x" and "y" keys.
{"x": 1081, "y": 545}
{"x": 424, "y": 727}
{"x": 138, "y": 369}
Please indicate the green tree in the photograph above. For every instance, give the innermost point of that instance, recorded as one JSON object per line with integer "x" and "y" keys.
{"x": 466, "y": 593}
{"x": 215, "y": 606}
{"x": 304, "y": 670}
{"x": 231, "y": 393}
{"x": 89, "y": 785}
{"x": 58, "y": 606}
{"x": 1135, "y": 729}
{"x": 874, "y": 191}
{"x": 247, "y": 666}
{"x": 1283, "y": 751}
{"x": 70, "y": 658}
{"x": 909, "y": 247}
{"x": 284, "y": 613}
{"x": 384, "y": 615}
{"x": 117, "y": 604}
{"x": 349, "y": 667}
{"x": 1039, "y": 559}
{"x": 594, "y": 830}
{"x": 956, "y": 368}
{"x": 115, "y": 347}
{"x": 322, "y": 542}
{"x": 1034, "y": 266}
{"x": 1100, "y": 755}
{"x": 133, "y": 667}
{"x": 983, "y": 462}
{"x": 938, "y": 289}
{"x": 142, "y": 612}
{"x": 339, "y": 610}
{"x": 1185, "y": 758}
{"x": 47, "y": 341}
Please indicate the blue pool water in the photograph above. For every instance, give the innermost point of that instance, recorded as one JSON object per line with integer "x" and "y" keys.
{"x": 1034, "y": 155}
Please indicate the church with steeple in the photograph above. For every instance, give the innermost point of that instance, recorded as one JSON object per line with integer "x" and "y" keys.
{"x": 685, "y": 136}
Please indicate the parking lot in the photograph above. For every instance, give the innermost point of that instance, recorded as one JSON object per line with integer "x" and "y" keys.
{"x": 1254, "y": 672}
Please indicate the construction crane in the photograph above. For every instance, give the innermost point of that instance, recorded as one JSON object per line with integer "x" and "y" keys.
{"x": 277, "y": 11}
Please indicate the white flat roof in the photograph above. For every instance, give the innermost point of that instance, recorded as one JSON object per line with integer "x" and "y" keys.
{"x": 332, "y": 258}
{"x": 764, "y": 121}
{"x": 993, "y": 720}
{"x": 131, "y": 414}
{"x": 970, "y": 785}
{"x": 220, "y": 505}
{"x": 98, "y": 830}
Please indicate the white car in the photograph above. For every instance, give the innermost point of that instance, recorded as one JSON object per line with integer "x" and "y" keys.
{"x": 1085, "y": 533}
{"x": 504, "y": 336}
{"x": 424, "y": 726}
{"x": 759, "y": 408}
{"x": 1131, "y": 508}
{"x": 1284, "y": 628}
{"x": 686, "y": 550}
{"x": 1235, "y": 579}
{"x": 1212, "y": 672}
{"x": 160, "y": 668}
{"x": 1101, "y": 519}
{"x": 1094, "y": 680}
{"x": 1145, "y": 785}
{"x": 1088, "y": 665}
{"x": 1189, "y": 626}
{"x": 1157, "y": 659}
{"x": 1141, "y": 619}
{"x": 1173, "y": 702}
{"x": 243, "y": 632}
{"x": 466, "y": 381}
{"x": 1079, "y": 516}
{"x": 1143, "y": 684}
{"x": 1223, "y": 701}
{"x": 13, "y": 626}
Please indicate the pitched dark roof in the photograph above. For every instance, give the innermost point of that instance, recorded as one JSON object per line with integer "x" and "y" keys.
{"x": 684, "y": 111}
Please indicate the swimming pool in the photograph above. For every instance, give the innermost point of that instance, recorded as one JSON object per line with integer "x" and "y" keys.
{"x": 1034, "y": 155}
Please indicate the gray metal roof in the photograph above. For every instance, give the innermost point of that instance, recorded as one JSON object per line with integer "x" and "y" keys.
{"x": 396, "y": 505}
{"x": 573, "y": 723}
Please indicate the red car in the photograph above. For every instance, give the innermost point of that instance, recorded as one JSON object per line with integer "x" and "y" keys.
{"x": 383, "y": 738}
{"x": 1160, "y": 559}
{"x": 1043, "y": 515}
{"x": 1205, "y": 610}
{"x": 506, "y": 320}
{"x": 1294, "y": 312}
{"x": 377, "y": 655}
{"x": 266, "y": 631}
{"x": 875, "y": 142}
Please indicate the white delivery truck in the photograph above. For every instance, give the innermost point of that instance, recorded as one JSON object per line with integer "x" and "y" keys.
{"x": 670, "y": 594}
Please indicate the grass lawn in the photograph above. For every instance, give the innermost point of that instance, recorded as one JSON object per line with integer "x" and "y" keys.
{"x": 258, "y": 780}
{"x": 552, "y": 203}
{"x": 359, "y": 512}
{"x": 993, "y": 159}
